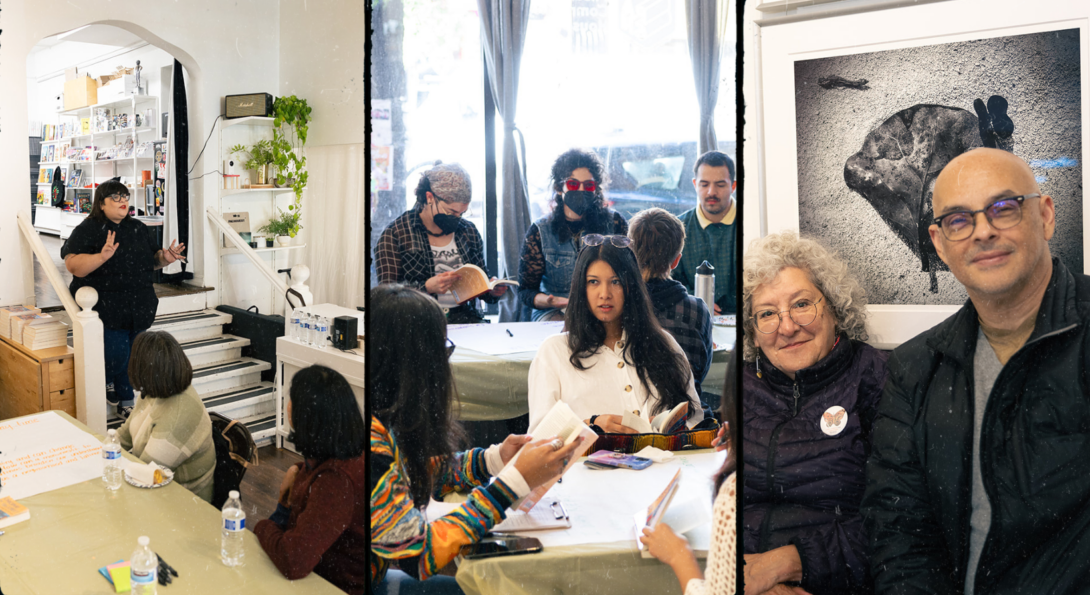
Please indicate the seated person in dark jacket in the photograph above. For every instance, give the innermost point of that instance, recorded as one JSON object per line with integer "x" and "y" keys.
{"x": 423, "y": 247}
{"x": 810, "y": 390}
{"x": 657, "y": 239}
{"x": 978, "y": 478}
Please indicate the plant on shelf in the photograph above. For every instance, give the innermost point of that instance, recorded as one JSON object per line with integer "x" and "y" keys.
{"x": 290, "y": 118}
{"x": 286, "y": 223}
{"x": 258, "y": 158}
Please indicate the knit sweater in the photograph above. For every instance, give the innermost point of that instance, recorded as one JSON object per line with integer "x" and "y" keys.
{"x": 176, "y": 433}
{"x": 714, "y": 243}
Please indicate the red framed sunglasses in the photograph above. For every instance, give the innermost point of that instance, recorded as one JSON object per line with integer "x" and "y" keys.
{"x": 572, "y": 184}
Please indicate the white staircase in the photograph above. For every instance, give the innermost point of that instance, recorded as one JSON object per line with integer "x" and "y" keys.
{"x": 228, "y": 383}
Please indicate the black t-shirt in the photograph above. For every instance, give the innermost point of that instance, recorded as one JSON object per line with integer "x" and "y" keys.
{"x": 126, "y": 297}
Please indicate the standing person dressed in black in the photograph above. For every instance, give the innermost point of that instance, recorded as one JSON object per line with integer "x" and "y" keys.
{"x": 424, "y": 246}
{"x": 116, "y": 254}
{"x": 553, "y": 242}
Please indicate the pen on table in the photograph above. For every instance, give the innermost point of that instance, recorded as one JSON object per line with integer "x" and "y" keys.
{"x": 509, "y": 334}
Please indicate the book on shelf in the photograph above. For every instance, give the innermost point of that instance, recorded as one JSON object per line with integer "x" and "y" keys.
{"x": 74, "y": 177}
{"x": 12, "y": 512}
{"x": 7, "y": 312}
{"x": 20, "y": 322}
{"x": 43, "y": 175}
{"x": 562, "y": 422}
{"x": 45, "y": 336}
{"x": 473, "y": 281}
{"x": 667, "y": 422}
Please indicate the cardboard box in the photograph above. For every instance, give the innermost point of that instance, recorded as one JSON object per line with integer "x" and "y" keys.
{"x": 80, "y": 92}
{"x": 111, "y": 91}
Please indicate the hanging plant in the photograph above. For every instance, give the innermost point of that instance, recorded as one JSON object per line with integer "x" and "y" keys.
{"x": 290, "y": 118}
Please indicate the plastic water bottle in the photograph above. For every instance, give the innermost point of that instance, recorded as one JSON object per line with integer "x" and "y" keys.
{"x": 315, "y": 323}
{"x": 234, "y": 522}
{"x": 111, "y": 461}
{"x": 143, "y": 569}
{"x": 293, "y": 328}
{"x": 323, "y": 332}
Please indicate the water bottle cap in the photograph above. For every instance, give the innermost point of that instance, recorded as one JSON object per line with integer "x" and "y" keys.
{"x": 233, "y": 494}
{"x": 111, "y": 432}
{"x": 705, "y": 268}
{"x": 143, "y": 541}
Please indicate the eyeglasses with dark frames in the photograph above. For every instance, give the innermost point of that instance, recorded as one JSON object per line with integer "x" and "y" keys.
{"x": 597, "y": 239}
{"x": 1004, "y": 213}
{"x": 118, "y": 198}
{"x": 573, "y": 184}
{"x": 450, "y": 348}
{"x": 802, "y": 313}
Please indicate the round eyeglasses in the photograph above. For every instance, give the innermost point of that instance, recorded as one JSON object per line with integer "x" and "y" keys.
{"x": 802, "y": 313}
{"x": 1004, "y": 213}
{"x": 597, "y": 239}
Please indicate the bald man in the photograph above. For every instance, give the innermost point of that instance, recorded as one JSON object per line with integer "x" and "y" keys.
{"x": 979, "y": 474}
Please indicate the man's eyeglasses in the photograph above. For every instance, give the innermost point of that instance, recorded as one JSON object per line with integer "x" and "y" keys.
{"x": 597, "y": 239}
{"x": 118, "y": 198}
{"x": 573, "y": 184}
{"x": 450, "y": 348}
{"x": 802, "y": 313}
{"x": 1004, "y": 213}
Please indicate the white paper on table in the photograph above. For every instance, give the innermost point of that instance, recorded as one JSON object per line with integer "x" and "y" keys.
{"x": 493, "y": 339}
{"x": 45, "y": 452}
{"x": 724, "y": 337}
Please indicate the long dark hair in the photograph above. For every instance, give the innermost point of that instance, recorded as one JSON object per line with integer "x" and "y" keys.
{"x": 326, "y": 417}
{"x": 596, "y": 219}
{"x": 647, "y": 346}
{"x": 105, "y": 189}
{"x": 411, "y": 386}
{"x": 728, "y": 415}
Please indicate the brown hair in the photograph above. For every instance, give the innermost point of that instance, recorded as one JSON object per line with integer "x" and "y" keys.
{"x": 657, "y": 238}
{"x": 105, "y": 189}
{"x": 158, "y": 367}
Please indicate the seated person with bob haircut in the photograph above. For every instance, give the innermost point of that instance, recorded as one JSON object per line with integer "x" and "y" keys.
{"x": 169, "y": 424}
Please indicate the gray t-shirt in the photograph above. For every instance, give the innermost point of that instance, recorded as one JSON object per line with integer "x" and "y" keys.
{"x": 986, "y": 368}
{"x": 446, "y": 259}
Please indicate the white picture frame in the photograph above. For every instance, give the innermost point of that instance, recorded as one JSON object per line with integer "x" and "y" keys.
{"x": 775, "y": 44}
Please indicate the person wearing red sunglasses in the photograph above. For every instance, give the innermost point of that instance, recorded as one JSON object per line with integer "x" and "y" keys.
{"x": 553, "y": 242}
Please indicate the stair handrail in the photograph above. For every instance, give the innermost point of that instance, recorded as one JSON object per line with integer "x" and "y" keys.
{"x": 87, "y": 333}
{"x": 300, "y": 273}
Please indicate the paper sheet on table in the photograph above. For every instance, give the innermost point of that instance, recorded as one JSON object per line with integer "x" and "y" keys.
{"x": 724, "y": 337}
{"x": 493, "y": 339}
{"x": 45, "y": 452}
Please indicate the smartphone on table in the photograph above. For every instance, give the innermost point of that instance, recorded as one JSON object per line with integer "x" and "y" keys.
{"x": 501, "y": 546}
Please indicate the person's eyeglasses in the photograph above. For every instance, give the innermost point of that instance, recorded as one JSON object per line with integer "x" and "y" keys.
{"x": 438, "y": 200}
{"x": 573, "y": 184}
{"x": 450, "y": 348}
{"x": 118, "y": 198}
{"x": 802, "y": 313}
{"x": 1004, "y": 213}
{"x": 597, "y": 239}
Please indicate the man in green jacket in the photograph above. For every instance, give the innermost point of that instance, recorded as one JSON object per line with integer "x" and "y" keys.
{"x": 710, "y": 232}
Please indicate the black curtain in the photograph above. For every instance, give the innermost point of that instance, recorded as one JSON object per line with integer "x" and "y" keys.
{"x": 180, "y": 136}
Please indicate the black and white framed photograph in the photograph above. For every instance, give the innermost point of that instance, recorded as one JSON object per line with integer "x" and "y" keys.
{"x": 861, "y": 131}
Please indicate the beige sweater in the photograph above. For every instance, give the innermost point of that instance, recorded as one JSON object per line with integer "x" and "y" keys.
{"x": 176, "y": 433}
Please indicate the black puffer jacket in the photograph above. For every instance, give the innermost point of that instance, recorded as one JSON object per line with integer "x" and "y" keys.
{"x": 802, "y": 485}
{"x": 1035, "y": 457}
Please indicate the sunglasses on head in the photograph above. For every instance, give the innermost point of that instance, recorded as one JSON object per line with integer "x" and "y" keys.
{"x": 572, "y": 184}
{"x": 597, "y": 239}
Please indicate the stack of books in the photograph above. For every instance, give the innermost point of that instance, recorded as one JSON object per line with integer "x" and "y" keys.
{"x": 20, "y": 322}
{"x": 5, "y": 317}
{"x": 45, "y": 336}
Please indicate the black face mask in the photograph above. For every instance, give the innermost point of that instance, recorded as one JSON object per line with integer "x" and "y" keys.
{"x": 578, "y": 201}
{"x": 446, "y": 223}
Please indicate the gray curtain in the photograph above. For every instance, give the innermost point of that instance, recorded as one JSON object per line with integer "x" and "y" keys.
{"x": 503, "y": 33}
{"x": 707, "y": 28}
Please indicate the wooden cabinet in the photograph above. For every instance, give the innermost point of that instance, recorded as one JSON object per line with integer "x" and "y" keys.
{"x": 34, "y": 381}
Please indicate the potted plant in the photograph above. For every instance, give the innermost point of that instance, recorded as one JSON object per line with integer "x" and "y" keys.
{"x": 285, "y": 225}
{"x": 258, "y": 158}
{"x": 290, "y": 118}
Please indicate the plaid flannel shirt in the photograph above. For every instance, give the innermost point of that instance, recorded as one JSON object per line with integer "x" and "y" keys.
{"x": 690, "y": 323}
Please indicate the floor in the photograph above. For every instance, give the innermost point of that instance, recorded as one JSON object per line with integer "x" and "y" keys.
{"x": 261, "y": 485}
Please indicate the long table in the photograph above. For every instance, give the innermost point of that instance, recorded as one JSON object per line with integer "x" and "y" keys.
{"x": 598, "y": 554}
{"x": 75, "y": 530}
{"x": 494, "y": 387}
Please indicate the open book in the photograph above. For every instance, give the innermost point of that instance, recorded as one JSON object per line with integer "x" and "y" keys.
{"x": 561, "y": 421}
{"x": 690, "y": 518}
{"x": 667, "y": 422}
{"x": 472, "y": 282}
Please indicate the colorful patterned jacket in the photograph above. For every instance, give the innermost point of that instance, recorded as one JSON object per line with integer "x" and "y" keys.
{"x": 399, "y": 528}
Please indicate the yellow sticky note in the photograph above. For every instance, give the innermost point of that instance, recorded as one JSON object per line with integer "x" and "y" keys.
{"x": 120, "y": 576}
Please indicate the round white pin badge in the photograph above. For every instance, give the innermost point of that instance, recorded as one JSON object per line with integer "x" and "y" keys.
{"x": 834, "y": 420}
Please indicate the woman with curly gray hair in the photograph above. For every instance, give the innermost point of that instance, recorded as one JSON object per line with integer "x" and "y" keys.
{"x": 810, "y": 391}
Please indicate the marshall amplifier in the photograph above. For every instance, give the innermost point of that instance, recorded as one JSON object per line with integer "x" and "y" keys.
{"x": 254, "y": 104}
